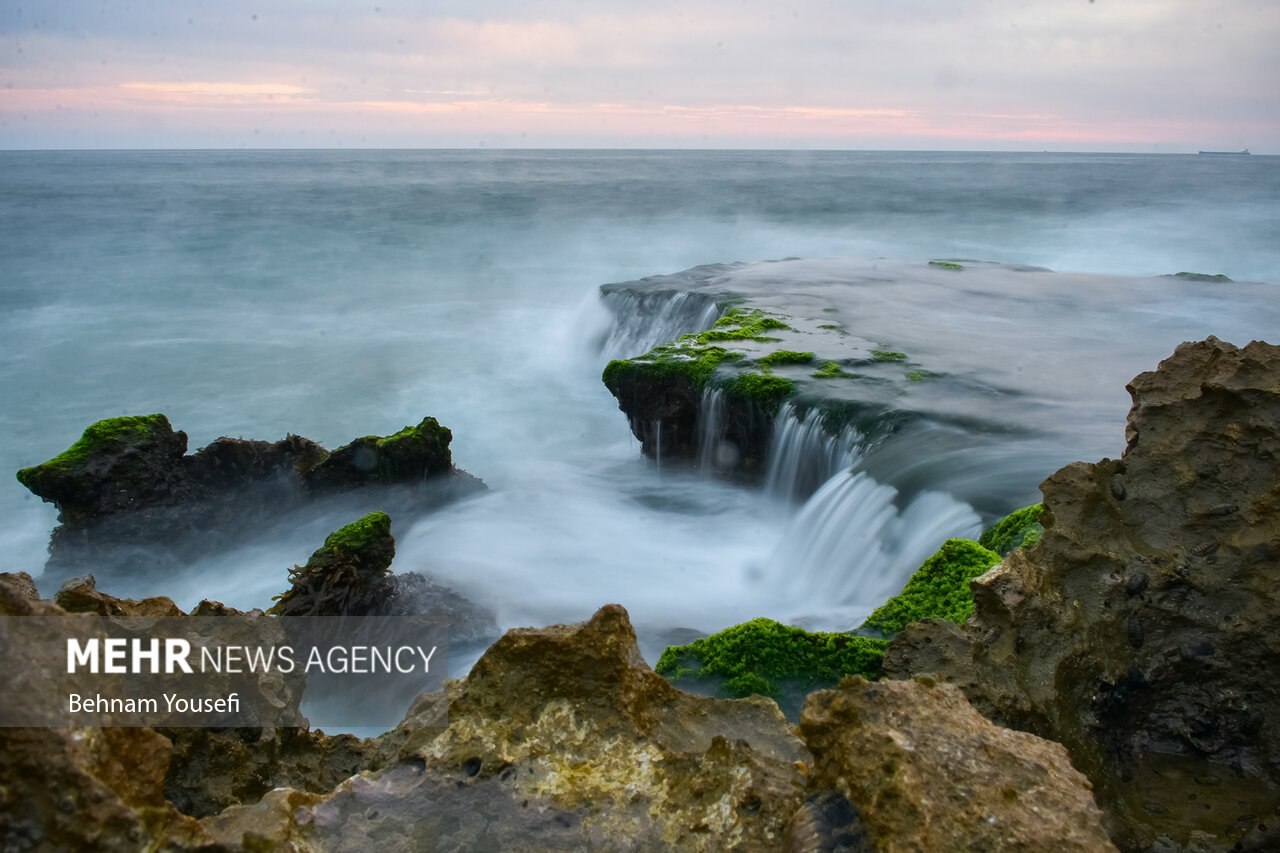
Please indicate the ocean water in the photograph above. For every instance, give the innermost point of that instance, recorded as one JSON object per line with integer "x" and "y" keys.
{"x": 335, "y": 294}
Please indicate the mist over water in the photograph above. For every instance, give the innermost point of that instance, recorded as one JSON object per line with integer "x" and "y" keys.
{"x": 338, "y": 294}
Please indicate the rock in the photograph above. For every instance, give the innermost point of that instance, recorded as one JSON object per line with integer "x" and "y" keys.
{"x": 1019, "y": 529}
{"x": 560, "y": 738}
{"x": 117, "y": 464}
{"x": 131, "y": 501}
{"x": 1143, "y": 630}
{"x": 767, "y": 658}
{"x": 928, "y": 772}
{"x": 938, "y": 589}
{"x": 348, "y": 574}
{"x": 410, "y": 455}
{"x": 128, "y": 787}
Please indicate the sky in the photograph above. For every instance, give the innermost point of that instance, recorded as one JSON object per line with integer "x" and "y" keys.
{"x": 1116, "y": 75}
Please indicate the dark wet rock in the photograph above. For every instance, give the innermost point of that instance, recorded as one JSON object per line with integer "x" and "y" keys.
{"x": 1142, "y": 632}
{"x": 350, "y": 575}
{"x": 117, "y": 464}
{"x": 132, "y": 501}
{"x": 926, "y": 771}
{"x": 412, "y": 454}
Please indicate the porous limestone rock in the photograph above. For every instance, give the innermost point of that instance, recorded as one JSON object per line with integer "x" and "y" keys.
{"x": 1143, "y": 631}
{"x": 927, "y": 772}
{"x": 560, "y": 738}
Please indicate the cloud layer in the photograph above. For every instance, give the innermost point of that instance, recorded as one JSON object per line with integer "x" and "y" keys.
{"x": 1131, "y": 74}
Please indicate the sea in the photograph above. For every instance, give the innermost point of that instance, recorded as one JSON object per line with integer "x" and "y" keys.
{"x": 335, "y": 294}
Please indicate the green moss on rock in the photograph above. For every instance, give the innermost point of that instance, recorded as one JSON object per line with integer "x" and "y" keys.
{"x": 946, "y": 265}
{"x": 408, "y": 455}
{"x": 347, "y": 574}
{"x": 738, "y": 324}
{"x": 1019, "y": 529}
{"x": 783, "y": 356}
{"x": 888, "y": 355}
{"x": 1200, "y": 276}
{"x": 939, "y": 589}
{"x": 831, "y": 370}
{"x": 765, "y": 392}
{"x": 117, "y": 463}
{"x": 766, "y": 657}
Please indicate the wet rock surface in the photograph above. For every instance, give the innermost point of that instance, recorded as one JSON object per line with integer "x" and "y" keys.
{"x": 928, "y": 772}
{"x": 131, "y": 500}
{"x": 1142, "y": 632}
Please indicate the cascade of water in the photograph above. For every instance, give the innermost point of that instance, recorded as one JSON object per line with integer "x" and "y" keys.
{"x": 852, "y": 547}
{"x": 711, "y": 454}
{"x": 657, "y": 442}
{"x": 642, "y": 321}
{"x": 803, "y": 455}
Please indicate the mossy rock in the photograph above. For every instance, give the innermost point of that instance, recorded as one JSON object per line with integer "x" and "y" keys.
{"x": 349, "y": 573}
{"x": 407, "y": 456}
{"x": 118, "y": 463}
{"x": 947, "y": 265}
{"x": 783, "y": 357}
{"x": 766, "y": 657}
{"x": 1019, "y": 529}
{"x": 939, "y": 589}
{"x": 765, "y": 392}
{"x": 1201, "y": 276}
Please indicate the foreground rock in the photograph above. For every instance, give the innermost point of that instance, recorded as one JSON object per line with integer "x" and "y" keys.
{"x": 563, "y": 739}
{"x": 560, "y": 738}
{"x": 124, "y": 787}
{"x": 131, "y": 499}
{"x": 1144, "y": 629}
{"x": 928, "y": 772}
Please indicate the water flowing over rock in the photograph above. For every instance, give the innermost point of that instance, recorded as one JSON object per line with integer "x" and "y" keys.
{"x": 1143, "y": 631}
{"x": 927, "y": 772}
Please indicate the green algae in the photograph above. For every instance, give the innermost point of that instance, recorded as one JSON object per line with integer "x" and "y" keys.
{"x": 783, "y": 356}
{"x": 1019, "y": 529}
{"x": 885, "y": 355}
{"x": 766, "y": 657}
{"x": 366, "y": 532}
{"x": 104, "y": 436}
{"x": 834, "y": 327}
{"x": 920, "y": 375}
{"x": 939, "y": 589}
{"x": 1200, "y": 276}
{"x": 696, "y": 364}
{"x": 946, "y": 265}
{"x": 766, "y": 392}
{"x": 738, "y": 324}
{"x": 347, "y": 574}
{"x": 831, "y": 370}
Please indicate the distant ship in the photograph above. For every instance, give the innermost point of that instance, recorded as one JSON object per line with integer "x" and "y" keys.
{"x": 1239, "y": 153}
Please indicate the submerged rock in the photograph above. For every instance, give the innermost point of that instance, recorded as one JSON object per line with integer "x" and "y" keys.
{"x": 927, "y": 772}
{"x": 1143, "y": 630}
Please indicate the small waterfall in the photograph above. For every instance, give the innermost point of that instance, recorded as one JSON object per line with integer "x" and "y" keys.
{"x": 803, "y": 455}
{"x": 641, "y": 321}
{"x": 712, "y": 452}
{"x": 852, "y": 547}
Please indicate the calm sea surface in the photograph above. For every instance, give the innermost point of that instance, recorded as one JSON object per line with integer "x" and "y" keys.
{"x": 336, "y": 294}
